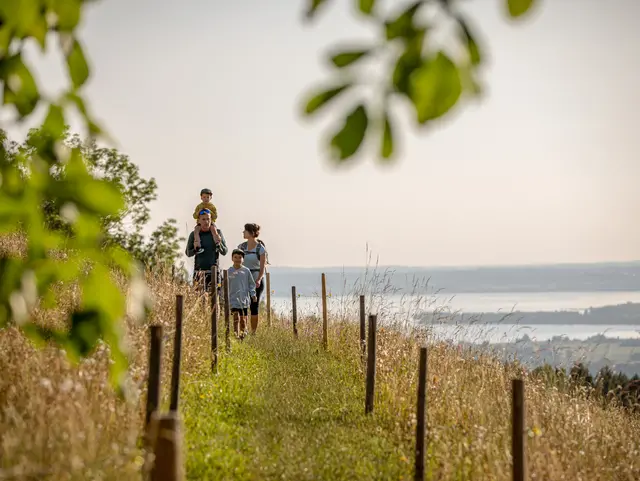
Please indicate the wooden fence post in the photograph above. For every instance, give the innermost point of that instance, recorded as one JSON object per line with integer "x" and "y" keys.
{"x": 421, "y": 415}
{"x": 363, "y": 329}
{"x": 325, "y": 322}
{"x": 371, "y": 366}
{"x": 153, "y": 378}
{"x": 215, "y": 303}
{"x": 294, "y": 311}
{"x": 227, "y": 312}
{"x": 518, "y": 435}
{"x": 168, "y": 462}
{"x": 268, "y": 299}
{"x": 204, "y": 289}
{"x": 177, "y": 353}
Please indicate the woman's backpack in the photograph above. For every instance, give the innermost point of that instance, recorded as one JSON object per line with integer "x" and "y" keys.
{"x": 244, "y": 246}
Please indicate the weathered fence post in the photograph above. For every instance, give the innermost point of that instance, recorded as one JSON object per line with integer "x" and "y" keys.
{"x": 177, "y": 353}
{"x": 153, "y": 378}
{"x": 268, "y": 299}
{"x": 363, "y": 329}
{"x": 294, "y": 311}
{"x": 518, "y": 431}
{"x": 167, "y": 448}
{"x": 421, "y": 415}
{"x": 227, "y": 311}
{"x": 215, "y": 303}
{"x": 325, "y": 334}
{"x": 203, "y": 277}
{"x": 371, "y": 365}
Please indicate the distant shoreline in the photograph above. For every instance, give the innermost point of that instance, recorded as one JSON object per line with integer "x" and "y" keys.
{"x": 627, "y": 314}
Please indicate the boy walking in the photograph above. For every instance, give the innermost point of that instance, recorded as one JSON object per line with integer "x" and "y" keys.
{"x": 242, "y": 290}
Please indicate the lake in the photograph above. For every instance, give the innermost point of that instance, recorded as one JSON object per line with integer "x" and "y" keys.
{"x": 402, "y": 307}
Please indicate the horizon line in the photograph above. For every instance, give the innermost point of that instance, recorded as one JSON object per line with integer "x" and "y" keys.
{"x": 467, "y": 267}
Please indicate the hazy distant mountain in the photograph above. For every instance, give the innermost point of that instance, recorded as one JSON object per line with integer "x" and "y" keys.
{"x": 550, "y": 278}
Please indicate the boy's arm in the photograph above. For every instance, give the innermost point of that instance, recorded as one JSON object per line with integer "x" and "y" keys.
{"x": 252, "y": 284}
{"x": 190, "y": 251}
{"x": 214, "y": 211}
{"x": 198, "y": 209}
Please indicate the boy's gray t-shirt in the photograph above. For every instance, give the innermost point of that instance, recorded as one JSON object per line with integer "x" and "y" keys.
{"x": 242, "y": 287}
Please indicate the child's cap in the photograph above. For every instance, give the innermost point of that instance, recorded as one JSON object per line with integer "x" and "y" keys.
{"x": 237, "y": 251}
{"x": 206, "y": 191}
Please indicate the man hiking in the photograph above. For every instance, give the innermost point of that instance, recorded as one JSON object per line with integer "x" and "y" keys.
{"x": 213, "y": 245}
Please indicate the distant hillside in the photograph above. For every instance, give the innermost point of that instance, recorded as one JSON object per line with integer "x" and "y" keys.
{"x": 622, "y": 314}
{"x": 553, "y": 278}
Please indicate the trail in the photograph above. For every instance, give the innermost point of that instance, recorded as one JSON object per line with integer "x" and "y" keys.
{"x": 285, "y": 409}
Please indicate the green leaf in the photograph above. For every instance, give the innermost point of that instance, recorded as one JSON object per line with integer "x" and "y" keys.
{"x": 313, "y": 8}
{"x": 68, "y": 14}
{"x": 85, "y": 331}
{"x": 366, "y": 6}
{"x": 20, "y": 87}
{"x": 78, "y": 101}
{"x": 6, "y": 34}
{"x": 408, "y": 62}
{"x": 435, "y": 88}
{"x": 22, "y": 14}
{"x": 78, "y": 68}
{"x": 469, "y": 81}
{"x": 518, "y": 8}
{"x": 346, "y": 58}
{"x": 38, "y": 30}
{"x": 402, "y": 25}
{"x": 54, "y": 123}
{"x": 473, "y": 50}
{"x": 323, "y": 97}
{"x": 348, "y": 139}
{"x": 387, "y": 138}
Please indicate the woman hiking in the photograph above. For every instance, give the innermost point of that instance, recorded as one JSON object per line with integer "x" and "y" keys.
{"x": 255, "y": 259}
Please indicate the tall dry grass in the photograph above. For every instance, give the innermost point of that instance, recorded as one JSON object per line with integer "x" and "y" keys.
{"x": 64, "y": 422}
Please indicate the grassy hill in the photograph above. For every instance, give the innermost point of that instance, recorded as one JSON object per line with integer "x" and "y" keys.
{"x": 282, "y": 408}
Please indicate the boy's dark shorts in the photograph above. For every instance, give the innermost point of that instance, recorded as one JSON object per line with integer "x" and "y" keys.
{"x": 242, "y": 311}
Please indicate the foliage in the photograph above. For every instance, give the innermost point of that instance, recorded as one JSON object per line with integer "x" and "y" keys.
{"x": 124, "y": 227}
{"x": 607, "y": 384}
{"x": 432, "y": 81}
{"x": 28, "y": 180}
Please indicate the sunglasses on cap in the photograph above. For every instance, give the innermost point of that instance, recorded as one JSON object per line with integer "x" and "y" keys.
{"x": 204, "y": 211}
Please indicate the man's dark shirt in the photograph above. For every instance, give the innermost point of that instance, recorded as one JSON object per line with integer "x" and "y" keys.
{"x": 209, "y": 257}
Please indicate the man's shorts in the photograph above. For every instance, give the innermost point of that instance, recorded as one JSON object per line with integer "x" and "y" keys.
{"x": 242, "y": 311}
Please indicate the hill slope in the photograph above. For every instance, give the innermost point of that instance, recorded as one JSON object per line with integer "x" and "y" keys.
{"x": 281, "y": 408}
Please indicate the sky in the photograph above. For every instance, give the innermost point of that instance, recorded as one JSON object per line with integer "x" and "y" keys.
{"x": 542, "y": 169}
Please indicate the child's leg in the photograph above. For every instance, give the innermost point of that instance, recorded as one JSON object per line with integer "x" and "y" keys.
{"x": 196, "y": 236}
{"x": 243, "y": 323}
{"x": 236, "y": 320}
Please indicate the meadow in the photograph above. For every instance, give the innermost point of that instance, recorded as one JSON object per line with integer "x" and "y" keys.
{"x": 284, "y": 408}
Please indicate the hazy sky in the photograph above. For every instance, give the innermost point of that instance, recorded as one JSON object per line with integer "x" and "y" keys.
{"x": 543, "y": 169}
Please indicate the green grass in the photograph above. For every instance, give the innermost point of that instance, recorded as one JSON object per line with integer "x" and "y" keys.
{"x": 284, "y": 409}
